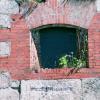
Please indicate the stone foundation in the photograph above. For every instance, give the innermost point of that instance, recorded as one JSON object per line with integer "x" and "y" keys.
{"x": 62, "y": 89}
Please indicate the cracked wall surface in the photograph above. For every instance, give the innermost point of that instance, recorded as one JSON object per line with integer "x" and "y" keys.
{"x": 65, "y": 89}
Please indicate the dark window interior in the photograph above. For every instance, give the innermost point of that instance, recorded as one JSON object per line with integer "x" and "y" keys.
{"x": 56, "y": 42}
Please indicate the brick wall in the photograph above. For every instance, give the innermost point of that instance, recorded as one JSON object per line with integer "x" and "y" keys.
{"x": 94, "y": 42}
{"x": 20, "y": 60}
{"x": 19, "y": 57}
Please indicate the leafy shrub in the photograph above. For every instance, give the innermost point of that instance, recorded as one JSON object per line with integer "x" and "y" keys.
{"x": 71, "y": 62}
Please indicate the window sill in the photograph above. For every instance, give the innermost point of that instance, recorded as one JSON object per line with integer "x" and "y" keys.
{"x": 63, "y": 73}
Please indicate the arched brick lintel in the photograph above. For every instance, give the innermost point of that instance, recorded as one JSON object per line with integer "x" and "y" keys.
{"x": 52, "y": 12}
{"x": 54, "y": 23}
{"x": 60, "y": 21}
{"x": 57, "y": 25}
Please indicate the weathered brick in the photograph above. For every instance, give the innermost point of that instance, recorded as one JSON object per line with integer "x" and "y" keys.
{"x": 48, "y": 13}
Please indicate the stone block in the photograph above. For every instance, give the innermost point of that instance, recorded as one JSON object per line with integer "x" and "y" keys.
{"x": 91, "y": 89}
{"x": 98, "y": 5}
{"x": 9, "y": 94}
{"x": 15, "y": 84}
{"x": 5, "y": 49}
{"x": 51, "y": 89}
{"x": 7, "y": 7}
{"x": 5, "y": 80}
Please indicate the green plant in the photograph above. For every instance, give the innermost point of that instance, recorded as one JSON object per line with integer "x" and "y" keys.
{"x": 84, "y": 46}
{"x": 81, "y": 60}
{"x": 71, "y": 62}
{"x": 63, "y": 61}
{"x": 78, "y": 63}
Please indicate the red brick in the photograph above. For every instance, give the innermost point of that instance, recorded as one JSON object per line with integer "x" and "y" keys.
{"x": 19, "y": 60}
